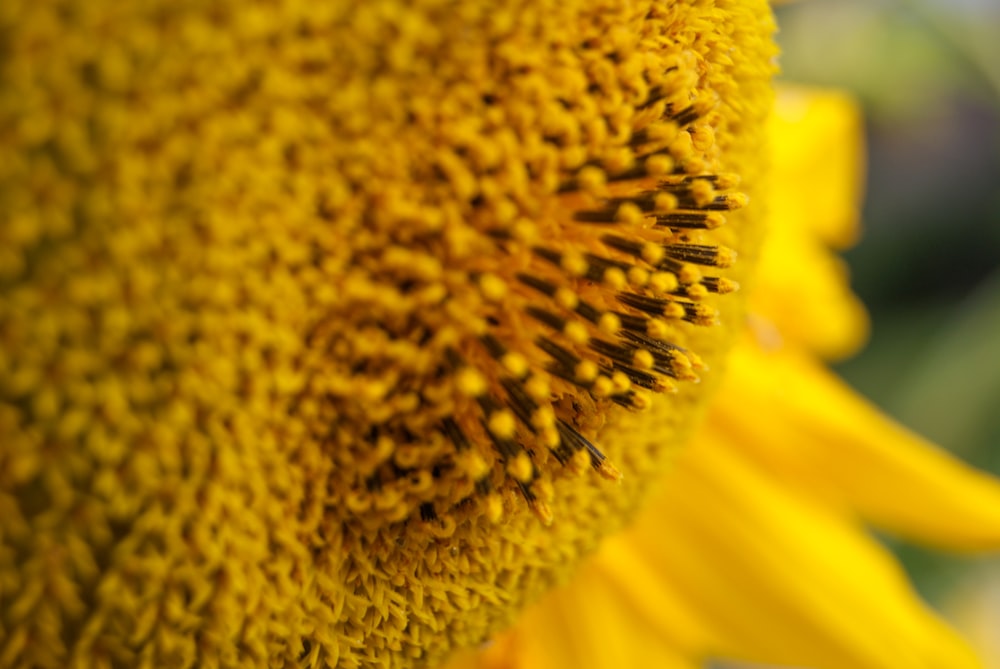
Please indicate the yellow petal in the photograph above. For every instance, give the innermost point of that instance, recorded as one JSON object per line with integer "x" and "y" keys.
{"x": 802, "y": 285}
{"x": 729, "y": 562}
{"x": 783, "y": 578}
{"x": 597, "y": 624}
{"x": 830, "y": 442}
{"x": 817, "y": 145}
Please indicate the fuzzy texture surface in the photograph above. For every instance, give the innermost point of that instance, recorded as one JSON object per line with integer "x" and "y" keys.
{"x": 327, "y": 328}
{"x": 756, "y": 550}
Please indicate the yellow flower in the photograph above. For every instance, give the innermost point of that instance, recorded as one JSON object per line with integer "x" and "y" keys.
{"x": 755, "y": 548}
{"x": 322, "y": 322}
{"x": 328, "y": 328}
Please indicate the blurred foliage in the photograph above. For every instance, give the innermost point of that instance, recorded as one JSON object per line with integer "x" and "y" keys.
{"x": 928, "y": 75}
{"x": 928, "y": 267}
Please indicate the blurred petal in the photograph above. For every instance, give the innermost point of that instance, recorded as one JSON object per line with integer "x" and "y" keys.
{"x": 817, "y": 141}
{"x": 618, "y": 612}
{"x": 782, "y": 578}
{"x": 828, "y": 441}
{"x": 731, "y": 562}
{"x": 755, "y": 550}
{"x": 802, "y": 285}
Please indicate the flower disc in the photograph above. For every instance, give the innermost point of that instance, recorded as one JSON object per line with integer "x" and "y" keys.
{"x": 329, "y": 330}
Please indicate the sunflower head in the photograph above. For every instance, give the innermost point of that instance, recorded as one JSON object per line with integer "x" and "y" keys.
{"x": 328, "y": 330}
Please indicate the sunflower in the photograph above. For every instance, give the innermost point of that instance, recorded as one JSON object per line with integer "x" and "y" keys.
{"x": 334, "y": 334}
{"x": 755, "y": 548}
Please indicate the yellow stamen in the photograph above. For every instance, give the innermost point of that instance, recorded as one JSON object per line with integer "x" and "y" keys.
{"x": 314, "y": 296}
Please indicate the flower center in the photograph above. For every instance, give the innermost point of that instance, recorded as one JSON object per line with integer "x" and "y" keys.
{"x": 313, "y": 311}
{"x": 471, "y": 371}
{"x": 538, "y": 219}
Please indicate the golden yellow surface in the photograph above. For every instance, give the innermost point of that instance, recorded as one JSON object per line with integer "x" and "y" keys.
{"x": 756, "y": 546}
{"x": 274, "y": 389}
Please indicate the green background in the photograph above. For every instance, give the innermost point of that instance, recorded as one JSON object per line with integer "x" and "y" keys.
{"x": 928, "y": 265}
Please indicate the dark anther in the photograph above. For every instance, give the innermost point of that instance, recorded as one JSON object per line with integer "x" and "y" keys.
{"x": 576, "y": 441}
{"x": 454, "y": 434}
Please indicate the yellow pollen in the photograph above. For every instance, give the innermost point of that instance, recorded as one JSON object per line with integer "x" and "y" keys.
{"x": 703, "y": 192}
{"x": 502, "y": 424}
{"x": 593, "y": 180}
{"x": 714, "y": 220}
{"x": 621, "y": 382}
{"x": 618, "y": 160}
{"x": 680, "y": 360}
{"x": 538, "y": 388}
{"x": 520, "y": 468}
{"x": 652, "y": 253}
{"x": 470, "y": 382}
{"x": 629, "y": 213}
{"x": 682, "y": 148}
{"x": 549, "y": 437}
{"x": 609, "y": 471}
{"x": 567, "y": 299}
{"x": 586, "y": 371}
{"x": 642, "y": 400}
{"x": 662, "y": 133}
{"x": 659, "y": 164}
{"x": 638, "y": 276}
{"x": 574, "y": 264}
{"x": 338, "y": 279}
{"x": 664, "y": 385}
{"x": 603, "y": 387}
{"x": 576, "y": 332}
{"x": 737, "y": 200}
{"x": 664, "y": 203}
{"x": 580, "y": 462}
{"x": 663, "y": 282}
{"x": 474, "y": 465}
{"x": 493, "y": 287}
{"x": 725, "y": 257}
{"x": 614, "y": 278}
{"x": 673, "y": 310}
{"x": 524, "y": 231}
{"x": 695, "y": 360}
{"x": 609, "y": 323}
{"x": 543, "y": 418}
{"x": 724, "y": 285}
{"x": 689, "y": 274}
{"x": 542, "y": 511}
{"x": 703, "y": 315}
{"x": 516, "y": 364}
{"x": 658, "y": 329}
{"x": 494, "y": 508}
{"x": 697, "y": 291}
{"x": 643, "y": 359}
{"x": 727, "y": 181}
{"x": 685, "y": 374}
